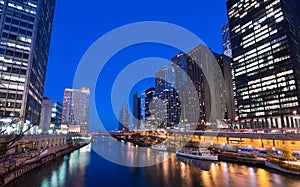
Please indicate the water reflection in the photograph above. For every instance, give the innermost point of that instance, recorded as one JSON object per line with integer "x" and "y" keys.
{"x": 86, "y": 168}
{"x": 127, "y": 154}
{"x": 59, "y": 172}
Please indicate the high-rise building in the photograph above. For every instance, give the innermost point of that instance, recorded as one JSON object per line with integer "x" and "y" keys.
{"x": 124, "y": 119}
{"x": 150, "y": 112}
{"x": 225, "y": 65}
{"x": 226, "y": 40}
{"x": 230, "y": 82}
{"x": 202, "y": 96}
{"x": 56, "y": 115}
{"x": 266, "y": 61}
{"x": 76, "y": 110}
{"x": 137, "y": 111}
{"x": 50, "y": 115}
{"x": 167, "y": 102}
{"x": 188, "y": 76}
{"x": 46, "y": 114}
{"x": 25, "y": 31}
{"x": 212, "y": 96}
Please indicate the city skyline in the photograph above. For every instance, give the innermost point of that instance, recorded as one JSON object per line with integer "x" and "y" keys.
{"x": 69, "y": 28}
{"x": 158, "y": 93}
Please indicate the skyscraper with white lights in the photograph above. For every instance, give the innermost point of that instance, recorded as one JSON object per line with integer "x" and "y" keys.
{"x": 76, "y": 110}
{"x": 266, "y": 61}
{"x": 25, "y": 31}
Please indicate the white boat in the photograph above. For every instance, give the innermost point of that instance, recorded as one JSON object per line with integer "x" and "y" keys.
{"x": 201, "y": 154}
{"x": 159, "y": 147}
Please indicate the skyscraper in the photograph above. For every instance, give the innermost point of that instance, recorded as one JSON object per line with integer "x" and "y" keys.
{"x": 46, "y": 114}
{"x": 226, "y": 40}
{"x": 203, "y": 96}
{"x": 137, "y": 111}
{"x": 225, "y": 64}
{"x": 56, "y": 114}
{"x": 124, "y": 118}
{"x": 188, "y": 76}
{"x": 76, "y": 110}
{"x": 25, "y": 29}
{"x": 167, "y": 103}
{"x": 50, "y": 115}
{"x": 150, "y": 112}
{"x": 266, "y": 61}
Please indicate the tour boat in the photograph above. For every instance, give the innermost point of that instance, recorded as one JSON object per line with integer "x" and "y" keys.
{"x": 201, "y": 154}
{"x": 159, "y": 147}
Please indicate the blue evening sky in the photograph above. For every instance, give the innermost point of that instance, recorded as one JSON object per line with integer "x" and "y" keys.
{"x": 78, "y": 24}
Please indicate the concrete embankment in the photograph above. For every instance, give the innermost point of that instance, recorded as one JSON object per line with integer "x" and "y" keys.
{"x": 23, "y": 169}
{"x": 276, "y": 167}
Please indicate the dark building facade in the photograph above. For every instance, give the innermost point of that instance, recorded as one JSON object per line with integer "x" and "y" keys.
{"x": 25, "y": 33}
{"x": 137, "y": 111}
{"x": 188, "y": 76}
{"x": 266, "y": 61}
{"x": 225, "y": 64}
{"x": 167, "y": 99}
{"x": 150, "y": 109}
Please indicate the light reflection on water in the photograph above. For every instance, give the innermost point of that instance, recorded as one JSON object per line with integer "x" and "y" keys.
{"x": 85, "y": 167}
{"x": 128, "y": 154}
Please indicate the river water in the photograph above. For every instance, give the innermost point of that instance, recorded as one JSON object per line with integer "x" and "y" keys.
{"x": 85, "y": 167}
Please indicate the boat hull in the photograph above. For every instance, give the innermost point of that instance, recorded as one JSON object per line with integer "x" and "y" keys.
{"x": 211, "y": 158}
{"x": 158, "y": 148}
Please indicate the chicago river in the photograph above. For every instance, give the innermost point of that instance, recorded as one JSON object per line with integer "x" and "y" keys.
{"x": 85, "y": 167}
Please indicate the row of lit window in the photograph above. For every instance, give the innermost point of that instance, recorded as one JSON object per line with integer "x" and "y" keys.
{"x": 10, "y": 61}
{"x": 14, "y": 87}
{"x": 17, "y": 46}
{"x": 265, "y": 86}
{"x": 238, "y": 7}
{"x": 258, "y": 88}
{"x": 251, "y": 71}
{"x": 279, "y": 39}
{"x": 289, "y": 105}
{"x": 13, "y": 78}
{"x": 260, "y": 110}
{"x": 260, "y": 107}
{"x": 284, "y": 100}
{"x": 276, "y": 60}
{"x": 18, "y": 7}
{"x": 272, "y": 4}
{"x": 278, "y": 16}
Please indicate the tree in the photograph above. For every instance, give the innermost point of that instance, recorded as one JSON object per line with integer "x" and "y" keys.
{"x": 287, "y": 154}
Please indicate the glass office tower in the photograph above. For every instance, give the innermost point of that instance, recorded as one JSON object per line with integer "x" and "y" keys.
{"x": 266, "y": 61}
{"x": 76, "y": 110}
{"x": 25, "y": 30}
